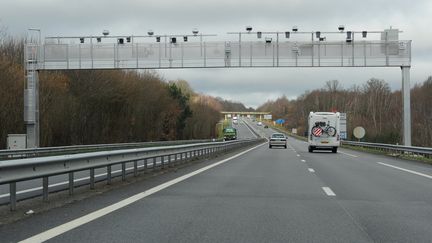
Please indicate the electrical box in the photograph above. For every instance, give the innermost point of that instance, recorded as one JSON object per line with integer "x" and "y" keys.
{"x": 16, "y": 141}
{"x": 391, "y": 36}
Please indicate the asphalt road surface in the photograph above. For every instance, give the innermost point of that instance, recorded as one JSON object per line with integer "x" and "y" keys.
{"x": 260, "y": 195}
{"x": 32, "y": 188}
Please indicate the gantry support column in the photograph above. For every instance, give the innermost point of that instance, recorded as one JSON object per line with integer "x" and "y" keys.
{"x": 31, "y": 96}
{"x": 406, "y": 91}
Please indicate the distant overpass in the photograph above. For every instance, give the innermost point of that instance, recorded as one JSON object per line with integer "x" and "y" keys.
{"x": 260, "y": 114}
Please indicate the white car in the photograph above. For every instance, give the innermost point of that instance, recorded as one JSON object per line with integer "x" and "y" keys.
{"x": 277, "y": 139}
{"x": 259, "y": 124}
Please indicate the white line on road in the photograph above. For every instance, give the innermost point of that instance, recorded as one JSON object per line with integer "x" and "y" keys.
{"x": 298, "y": 155}
{"x": 311, "y": 170}
{"x": 304, "y": 161}
{"x": 51, "y": 233}
{"x": 352, "y": 155}
{"x": 79, "y": 179}
{"x": 406, "y": 170}
{"x": 250, "y": 130}
{"x": 329, "y": 191}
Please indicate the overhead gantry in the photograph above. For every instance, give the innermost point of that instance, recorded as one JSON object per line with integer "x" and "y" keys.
{"x": 266, "y": 49}
{"x": 259, "y": 114}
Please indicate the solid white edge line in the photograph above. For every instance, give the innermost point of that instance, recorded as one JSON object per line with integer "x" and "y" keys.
{"x": 66, "y": 182}
{"x": 63, "y": 228}
{"x": 250, "y": 130}
{"x": 311, "y": 170}
{"x": 352, "y": 155}
{"x": 328, "y": 191}
{"x": 406, "y": 170}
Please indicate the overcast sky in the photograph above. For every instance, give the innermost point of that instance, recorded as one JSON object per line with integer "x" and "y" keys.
{"x": 250, "y": 86}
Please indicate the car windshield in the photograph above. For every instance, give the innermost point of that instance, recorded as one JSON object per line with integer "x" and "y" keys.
{"x": 278, "y": 135}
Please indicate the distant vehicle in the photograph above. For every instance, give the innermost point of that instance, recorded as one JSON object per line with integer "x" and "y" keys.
{"x": 229, "y": 133}
{"x": 259, "y": 124}
{"x": 235, "y": 118}
{"x": 323, "y": 131}
{"x": 235, "y": 122}
{"x": 265, "y": 126}
{"x": 278, "y": 139}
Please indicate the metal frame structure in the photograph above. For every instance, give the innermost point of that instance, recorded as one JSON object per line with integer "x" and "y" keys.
{"x": 391, "y": 148}
{"x": 141, "y": 52}
{"x": 142, "y": 159}
{"x": 9, "y": 154}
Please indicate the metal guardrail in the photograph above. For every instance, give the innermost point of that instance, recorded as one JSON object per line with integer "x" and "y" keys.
{"x": 400, "y": 149}
{"x": 252, "y": 129}
{"x": 390, "y": 148}
{"x": 46, "y": 151}
{"x": 13, "y": 171}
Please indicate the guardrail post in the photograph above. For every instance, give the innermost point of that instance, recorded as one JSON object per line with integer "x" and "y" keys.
{"x": 169, "y": 160}
{"x": 45, "y": 188}
{"x": 71, "y": 183}
{"x": 162, "y": 162}
{"x": 12, "y": 195}
{"x": 109, "y": 174}
{"x": 123, "y": 171}
{"x": 154, "y": 163}
{"x": 145, "y": 165}
{"x": 92, "y": 178}
{"x": 135, "y": 168}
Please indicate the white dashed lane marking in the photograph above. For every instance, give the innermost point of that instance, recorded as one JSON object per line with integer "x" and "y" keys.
{"x": 352, "y": 155}
{"x": 329, "y": 191}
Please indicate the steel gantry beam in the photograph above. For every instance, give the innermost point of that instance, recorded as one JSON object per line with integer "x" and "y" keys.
{"x": 182, "y": 51}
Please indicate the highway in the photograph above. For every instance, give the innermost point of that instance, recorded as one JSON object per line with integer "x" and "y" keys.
{"x": 254, "y": 195}
{"x": 32, "y": 188}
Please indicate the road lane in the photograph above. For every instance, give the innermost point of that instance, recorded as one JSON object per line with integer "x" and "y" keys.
{"x": 33, "y": 188}
{"x": 392, "y": 205}
{"x": 267, "y": 195}
{"x": 261, "y": 196}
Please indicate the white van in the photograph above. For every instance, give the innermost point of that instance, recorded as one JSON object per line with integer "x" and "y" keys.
{"x": 323, "y": 133}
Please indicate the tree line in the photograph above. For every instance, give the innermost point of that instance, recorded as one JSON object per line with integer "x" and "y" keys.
{"x": 95, "y": 107}
{"x": 372, "y": 105}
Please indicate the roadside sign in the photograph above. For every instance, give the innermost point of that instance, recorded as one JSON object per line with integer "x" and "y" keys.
{"x": 343, "y": 135}
{"x": 280, "y": 121}
{"x": 343, "y": 126}
{"x": 359, "y": 132}
{"x": 267, "y": 117}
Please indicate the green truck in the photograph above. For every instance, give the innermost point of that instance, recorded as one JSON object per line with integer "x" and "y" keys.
{"x": 229, "y": 133}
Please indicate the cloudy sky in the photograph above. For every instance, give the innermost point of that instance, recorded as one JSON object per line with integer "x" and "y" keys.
{"x": 250, "y": 86}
